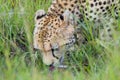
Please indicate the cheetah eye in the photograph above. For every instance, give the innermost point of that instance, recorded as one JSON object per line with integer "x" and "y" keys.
{"x": 55, "y": 47}
{"x": 61, "y": 17}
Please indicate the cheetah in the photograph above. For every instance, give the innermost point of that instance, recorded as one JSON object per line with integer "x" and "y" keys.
{"x": 54, "y": 30}
{"x": 51, "y": 36}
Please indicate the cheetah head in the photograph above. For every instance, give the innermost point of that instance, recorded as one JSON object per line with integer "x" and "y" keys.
{"x": 53, "y": 36}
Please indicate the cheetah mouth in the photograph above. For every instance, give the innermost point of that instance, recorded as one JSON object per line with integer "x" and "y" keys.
{"x": 52, "y": 68}
{"x": 60, "y": 66}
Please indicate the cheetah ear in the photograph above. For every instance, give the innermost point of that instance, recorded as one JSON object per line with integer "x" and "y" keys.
{"x": 39, "y": 14}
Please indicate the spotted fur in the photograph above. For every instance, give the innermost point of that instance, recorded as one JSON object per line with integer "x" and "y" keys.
{"x": 55, "y": 30}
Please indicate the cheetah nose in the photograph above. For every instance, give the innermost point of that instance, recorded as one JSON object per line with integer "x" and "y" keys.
{"x": 51, "y": 67}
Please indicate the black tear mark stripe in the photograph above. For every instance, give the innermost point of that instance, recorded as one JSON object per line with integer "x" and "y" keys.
{"x": 38, "y": 17}
{"x": 54, "y": 54}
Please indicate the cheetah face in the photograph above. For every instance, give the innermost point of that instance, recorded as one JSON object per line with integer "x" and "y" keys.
{"x": 53, "y": 36}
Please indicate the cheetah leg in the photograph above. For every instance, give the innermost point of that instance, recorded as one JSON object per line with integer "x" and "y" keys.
{"x": 106, "y": 33}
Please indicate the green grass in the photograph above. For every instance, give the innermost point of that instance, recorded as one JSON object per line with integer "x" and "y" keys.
{"x": 18, "y": 60}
